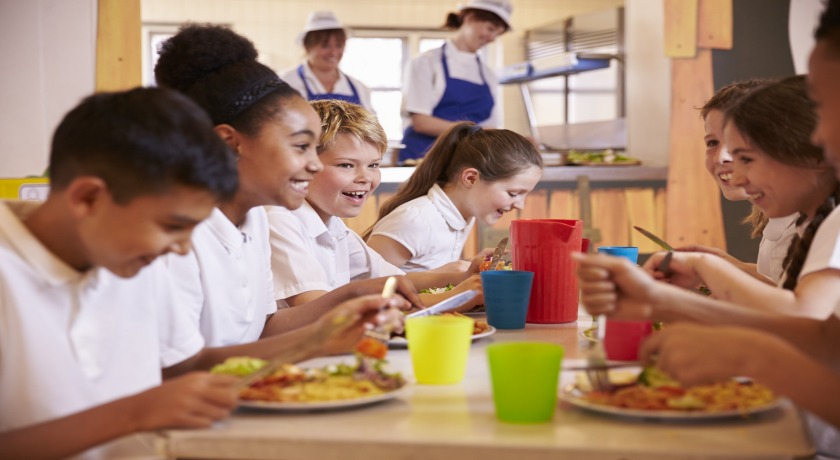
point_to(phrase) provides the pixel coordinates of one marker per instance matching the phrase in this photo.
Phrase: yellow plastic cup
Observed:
(439, 346)
(524, 376)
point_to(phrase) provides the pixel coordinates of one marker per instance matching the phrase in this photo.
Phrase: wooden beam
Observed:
(680, 28)
(693, 203)
(118, 44)
(714, 24)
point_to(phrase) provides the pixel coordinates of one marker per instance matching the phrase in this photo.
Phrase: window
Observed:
(153, 36)
(378, 58)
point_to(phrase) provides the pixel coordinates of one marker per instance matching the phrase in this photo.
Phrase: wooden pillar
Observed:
(118, 45)
(692, 29)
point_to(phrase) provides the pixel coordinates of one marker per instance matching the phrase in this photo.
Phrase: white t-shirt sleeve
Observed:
(824, 252)
(405, 226)
(419, 87)
(295, 269)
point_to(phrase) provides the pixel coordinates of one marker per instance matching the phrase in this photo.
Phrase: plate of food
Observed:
(654, 396)
(480, 330)
(331, 387)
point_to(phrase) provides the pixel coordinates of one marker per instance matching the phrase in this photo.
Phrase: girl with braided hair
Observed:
(768, 135)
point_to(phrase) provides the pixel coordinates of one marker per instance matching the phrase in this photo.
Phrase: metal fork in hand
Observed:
(596, 359)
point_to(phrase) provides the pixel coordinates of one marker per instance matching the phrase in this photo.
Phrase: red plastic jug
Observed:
(544, 246)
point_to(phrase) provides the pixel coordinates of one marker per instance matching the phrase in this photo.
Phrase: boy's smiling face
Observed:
(351, 173)
(124, 238)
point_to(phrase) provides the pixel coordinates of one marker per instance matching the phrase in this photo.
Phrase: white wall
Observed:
(48, 48)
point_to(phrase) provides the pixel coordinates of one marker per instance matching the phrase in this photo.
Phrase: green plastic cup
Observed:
(439, 346)
(524, 377)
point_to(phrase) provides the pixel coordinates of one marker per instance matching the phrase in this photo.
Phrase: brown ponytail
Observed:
(495, 153)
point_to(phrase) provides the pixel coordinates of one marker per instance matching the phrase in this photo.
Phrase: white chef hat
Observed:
(319, 20)
(501, 8)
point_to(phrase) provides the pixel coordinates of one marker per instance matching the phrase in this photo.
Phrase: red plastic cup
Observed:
(623, 339)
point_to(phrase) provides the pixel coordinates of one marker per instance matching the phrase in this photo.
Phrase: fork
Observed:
(596, 359)
(374, 345)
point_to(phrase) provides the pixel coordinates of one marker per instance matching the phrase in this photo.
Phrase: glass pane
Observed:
(585, 107)
(427, 44)
(377, 62)
(387, 107)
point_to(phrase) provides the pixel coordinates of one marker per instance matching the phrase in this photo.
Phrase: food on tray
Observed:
(500, 265)
(656, 391)
(599, 157)
(372, 348)
(291, 383)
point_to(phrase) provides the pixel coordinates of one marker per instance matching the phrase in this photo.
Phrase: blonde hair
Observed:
(340, 117)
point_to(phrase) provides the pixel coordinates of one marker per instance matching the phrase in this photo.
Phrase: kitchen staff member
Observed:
(323, 38)
(451, 84)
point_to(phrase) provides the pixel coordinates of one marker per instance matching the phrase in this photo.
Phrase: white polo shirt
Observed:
(226, 279)
(70, 341)
(341, 86)
(430, 227)
(775, 240)
(308, 255)
(425, 82)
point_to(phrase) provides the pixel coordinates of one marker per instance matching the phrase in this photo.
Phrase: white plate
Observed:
(575, 396)
(324, 405)
(401, 342)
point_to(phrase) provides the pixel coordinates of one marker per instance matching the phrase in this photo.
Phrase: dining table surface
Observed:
(459, 422)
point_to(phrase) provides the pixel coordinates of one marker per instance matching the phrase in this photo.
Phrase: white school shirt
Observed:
(775, 241)
(226, 279)
(430, 227)
(308, 255)
(425, 82)
(341, 86)
(70, 341)
(824, 252)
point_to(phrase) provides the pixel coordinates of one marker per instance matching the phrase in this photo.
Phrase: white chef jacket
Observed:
(341, 86)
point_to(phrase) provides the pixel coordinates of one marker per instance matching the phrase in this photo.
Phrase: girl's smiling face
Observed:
(351, 174)
(277, 165)
(777, 188)
(718, 159)
(489, 201)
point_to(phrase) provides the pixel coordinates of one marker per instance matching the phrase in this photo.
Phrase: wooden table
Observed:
(458, 422)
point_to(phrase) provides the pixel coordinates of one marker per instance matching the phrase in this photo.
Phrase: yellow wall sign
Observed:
(32, 189)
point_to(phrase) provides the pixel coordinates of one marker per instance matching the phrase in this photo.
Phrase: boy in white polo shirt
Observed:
(87, 318)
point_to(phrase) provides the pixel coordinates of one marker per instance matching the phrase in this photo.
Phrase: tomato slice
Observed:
(371, 347)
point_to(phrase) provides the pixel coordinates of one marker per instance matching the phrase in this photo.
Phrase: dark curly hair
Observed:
(828, 29)
(218, 69)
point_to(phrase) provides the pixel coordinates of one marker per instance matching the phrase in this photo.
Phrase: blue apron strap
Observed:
(309, 93)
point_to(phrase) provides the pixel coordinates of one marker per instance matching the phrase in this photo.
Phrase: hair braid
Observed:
(799, 247)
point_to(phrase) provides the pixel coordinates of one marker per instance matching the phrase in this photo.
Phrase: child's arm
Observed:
(336, 331)
(392, 251)
(473, 282)
(751, 269)
(192, 401)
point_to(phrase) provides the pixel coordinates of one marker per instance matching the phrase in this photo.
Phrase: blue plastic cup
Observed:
(628, 252)
(506, 297)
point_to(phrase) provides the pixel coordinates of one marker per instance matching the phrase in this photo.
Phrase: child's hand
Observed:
(194, 400)
(614, 286)
(405, 288)
(681, 271)
(341, 329)
(478, 261)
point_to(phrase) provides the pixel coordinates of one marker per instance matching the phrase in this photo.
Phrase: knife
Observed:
(497, 254)
(654, 238)
(446, 305)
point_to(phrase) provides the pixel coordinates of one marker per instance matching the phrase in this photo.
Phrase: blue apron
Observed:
(310, 96)
(461, 101)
